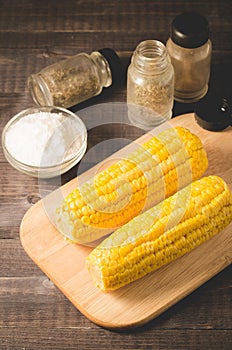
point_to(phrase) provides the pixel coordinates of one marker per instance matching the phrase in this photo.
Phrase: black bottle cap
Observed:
(115, 65)
(190, 30)
(214, 112)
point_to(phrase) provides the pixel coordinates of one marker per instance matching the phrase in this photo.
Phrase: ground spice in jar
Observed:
(190, 50)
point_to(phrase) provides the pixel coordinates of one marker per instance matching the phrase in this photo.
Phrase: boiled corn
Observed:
(151, 173)
(162, 234)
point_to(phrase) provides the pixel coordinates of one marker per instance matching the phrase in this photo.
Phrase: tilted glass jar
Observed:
(190, 50)
(76, 79)
(150, 85)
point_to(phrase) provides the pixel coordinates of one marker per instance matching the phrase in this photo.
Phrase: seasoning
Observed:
(150, 85)
(42, 139)
(190, 50)
(76, 79)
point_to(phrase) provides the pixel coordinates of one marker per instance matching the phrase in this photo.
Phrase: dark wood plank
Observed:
(14, 261)
(38, 295)
(84, 337)
(32, 300)
(34, 314)
(123, 41)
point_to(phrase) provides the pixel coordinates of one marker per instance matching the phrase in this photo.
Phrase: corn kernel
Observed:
(137, 251)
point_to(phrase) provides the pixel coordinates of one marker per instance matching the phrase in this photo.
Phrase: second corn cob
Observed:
(162, 234)
(154, 171)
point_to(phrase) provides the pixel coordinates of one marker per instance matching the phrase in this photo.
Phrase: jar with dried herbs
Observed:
(150, 85)
(76, 79)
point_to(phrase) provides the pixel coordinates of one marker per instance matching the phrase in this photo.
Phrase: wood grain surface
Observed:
(141, 301)
(34, 314)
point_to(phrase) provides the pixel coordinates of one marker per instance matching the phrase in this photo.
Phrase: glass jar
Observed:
(76, 79)
(190, 50)
(150, 85)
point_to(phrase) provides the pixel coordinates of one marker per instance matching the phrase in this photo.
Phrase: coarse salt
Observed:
(43, 139)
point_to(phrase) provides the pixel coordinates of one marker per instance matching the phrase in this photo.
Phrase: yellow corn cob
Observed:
(152, 172)
(162, 234)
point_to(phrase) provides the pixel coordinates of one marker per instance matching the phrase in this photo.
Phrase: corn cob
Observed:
(152, 172)
(162, 234)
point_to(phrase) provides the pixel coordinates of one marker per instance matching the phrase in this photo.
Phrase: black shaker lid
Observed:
(214, 112)
(115, 65)
(190, 30)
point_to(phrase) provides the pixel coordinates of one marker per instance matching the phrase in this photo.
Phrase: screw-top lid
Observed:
(115, 65)
(214, 112)
(190, 30)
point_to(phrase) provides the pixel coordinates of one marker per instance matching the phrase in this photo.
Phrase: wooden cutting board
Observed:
(142, 300)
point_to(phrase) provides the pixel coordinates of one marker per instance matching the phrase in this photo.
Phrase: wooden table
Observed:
(34, 314)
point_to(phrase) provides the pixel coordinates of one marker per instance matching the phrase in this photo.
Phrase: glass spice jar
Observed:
(190, 50)
(150, 85)
(76, 79)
